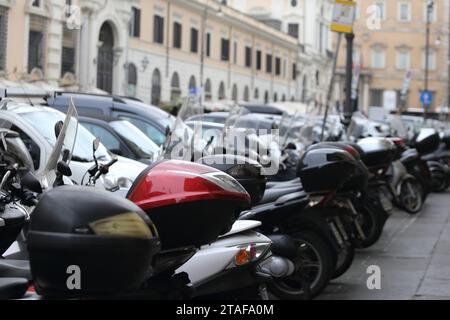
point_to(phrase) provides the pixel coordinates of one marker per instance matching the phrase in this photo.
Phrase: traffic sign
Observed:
(426, 98)
(343, 16)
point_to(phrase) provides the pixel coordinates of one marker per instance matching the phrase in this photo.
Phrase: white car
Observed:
(36, 124)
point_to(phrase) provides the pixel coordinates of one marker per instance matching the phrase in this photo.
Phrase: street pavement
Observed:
(413, 255)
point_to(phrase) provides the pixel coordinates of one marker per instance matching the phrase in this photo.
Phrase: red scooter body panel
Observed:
(191, 204)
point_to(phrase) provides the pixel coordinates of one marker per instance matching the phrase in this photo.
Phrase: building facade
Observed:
(154, 50)
(308, 22)
(390, 42)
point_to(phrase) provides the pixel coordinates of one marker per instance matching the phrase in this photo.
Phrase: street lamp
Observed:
(430, 6)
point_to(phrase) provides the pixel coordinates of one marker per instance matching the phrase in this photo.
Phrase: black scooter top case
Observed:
(361, 178)
(427, 141)
(378, 153)
(325, 170)
(246, 171)
(106, 242)
(446, 139)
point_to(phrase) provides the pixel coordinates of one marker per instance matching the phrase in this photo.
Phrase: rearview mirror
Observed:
(64, 169)
(58, 127)
(291, 146)
(30, 182)
(95, 144)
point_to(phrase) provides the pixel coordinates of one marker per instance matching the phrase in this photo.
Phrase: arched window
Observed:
(246, 94)
(175, 89)
(256, 94)
(222, 95)
(266, 97)
(192, 85)
(234, 93)
(275, 97)
(156, 87)
(208, 90)
(132, 80)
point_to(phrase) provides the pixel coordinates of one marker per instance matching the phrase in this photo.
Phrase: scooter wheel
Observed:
(313, 269)
(372, 224)
(411, 198)
(344, 262)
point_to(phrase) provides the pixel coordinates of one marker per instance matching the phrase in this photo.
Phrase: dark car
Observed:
(262, 108)
(122, 138)
(213, 117)
(258, 121)
(149, 119)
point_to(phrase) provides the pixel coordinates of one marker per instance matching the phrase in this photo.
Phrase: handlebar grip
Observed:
(112, 162)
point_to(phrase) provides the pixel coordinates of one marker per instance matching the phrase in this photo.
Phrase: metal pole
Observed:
(202, 53)
(330, 88)
(348, 108)
(427, 52)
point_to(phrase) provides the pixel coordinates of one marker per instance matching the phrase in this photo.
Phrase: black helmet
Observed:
(86, 242)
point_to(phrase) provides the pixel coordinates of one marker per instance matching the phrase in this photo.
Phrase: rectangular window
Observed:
(68, 51)
(376, 98)
(381, 10)
(158, 29)
(35, 50)
(258, 60)
(194, 40)
(135, 23)
(294, 30)
(402, 60)
(269, 63)
(225, 50)
(429, 11)
(235, 45)
(177, 35)
(208, 44)
(431, 60)
(36, 3)
(277, 66)
(378, 59)
(294, 71)
(404, 12)
(248, 57)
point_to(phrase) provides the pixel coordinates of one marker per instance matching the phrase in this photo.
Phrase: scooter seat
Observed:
(15, 269)
(273, 194)
(13, 288)
(282, 184)
(430, 157)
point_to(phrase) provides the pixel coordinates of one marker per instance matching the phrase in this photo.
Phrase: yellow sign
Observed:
(343, 16)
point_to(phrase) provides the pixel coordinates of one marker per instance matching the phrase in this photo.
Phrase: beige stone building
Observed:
(155, 50)
(308, 22)
(242, 59)
(390, 40)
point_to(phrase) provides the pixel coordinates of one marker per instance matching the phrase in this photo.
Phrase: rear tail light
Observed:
(352, 151)
(249, 253)
(321, 200)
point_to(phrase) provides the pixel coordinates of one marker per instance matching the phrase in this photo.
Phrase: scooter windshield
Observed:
(66, 135)
(179, 143)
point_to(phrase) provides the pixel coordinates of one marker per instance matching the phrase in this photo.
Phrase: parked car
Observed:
(122, 138)
(213, 117)
(36, 124)
(262, 108)
(151, 120)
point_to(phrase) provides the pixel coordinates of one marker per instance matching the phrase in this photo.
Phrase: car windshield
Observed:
(135, 139)
(44, 122)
